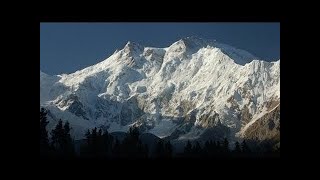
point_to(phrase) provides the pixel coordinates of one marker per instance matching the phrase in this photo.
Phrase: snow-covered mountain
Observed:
(184, 91)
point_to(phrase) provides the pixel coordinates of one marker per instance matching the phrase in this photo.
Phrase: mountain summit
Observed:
(195, 88)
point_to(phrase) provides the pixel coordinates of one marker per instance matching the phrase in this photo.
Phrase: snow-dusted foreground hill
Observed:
(193, 88)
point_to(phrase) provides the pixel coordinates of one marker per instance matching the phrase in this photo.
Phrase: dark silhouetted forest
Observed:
(101, 144)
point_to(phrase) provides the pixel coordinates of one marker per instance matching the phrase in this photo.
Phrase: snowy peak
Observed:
(184, 48)
(193, 44)
(132, 47)
(239, 56)
(194, 83)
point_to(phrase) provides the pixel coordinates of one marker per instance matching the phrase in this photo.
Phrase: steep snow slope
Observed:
(191, 86)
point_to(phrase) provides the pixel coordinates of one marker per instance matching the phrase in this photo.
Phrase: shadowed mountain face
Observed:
(266, 128)
(193, 89)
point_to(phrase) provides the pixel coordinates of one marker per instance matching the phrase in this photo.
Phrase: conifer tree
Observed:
(132, 146)
(116, 150)
(206, 148)
(197, 150)
(44, 140)
(62, 142)
(225, 145)
(188, 149)
(160, 151)
(57, 137)
(107, 143)
(68, 144)
(245, 147)
(168, 149)
(85, 150)
(218, 147)
(237, 148)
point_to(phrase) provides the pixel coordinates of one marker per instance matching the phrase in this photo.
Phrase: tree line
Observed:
(216, 149)
(100, 144)
(61, 144)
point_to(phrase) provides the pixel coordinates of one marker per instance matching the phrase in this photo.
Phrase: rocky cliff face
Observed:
(265, 128)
